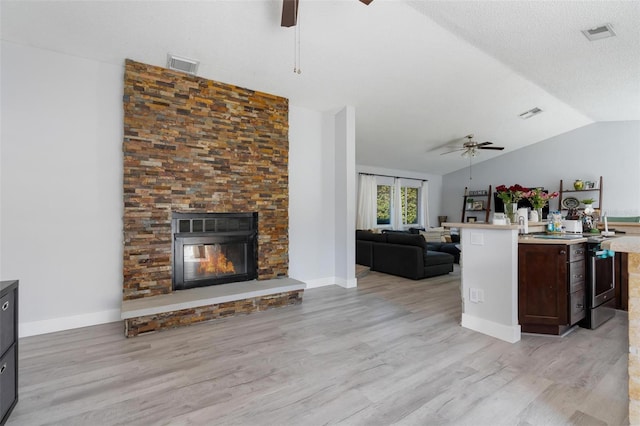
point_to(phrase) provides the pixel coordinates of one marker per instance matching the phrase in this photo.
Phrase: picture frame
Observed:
(471, 219)
(478, 205)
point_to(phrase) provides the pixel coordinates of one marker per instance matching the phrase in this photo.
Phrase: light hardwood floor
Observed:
(389, 352)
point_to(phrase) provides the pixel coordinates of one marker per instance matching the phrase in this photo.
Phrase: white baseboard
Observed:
(323, 282)
(34, 328)
(507, 333)
(350, 283)
(320, 282)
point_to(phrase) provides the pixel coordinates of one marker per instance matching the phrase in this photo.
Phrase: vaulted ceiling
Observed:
(420, 74)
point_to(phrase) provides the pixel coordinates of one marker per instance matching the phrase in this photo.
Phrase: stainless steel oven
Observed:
(600, 284)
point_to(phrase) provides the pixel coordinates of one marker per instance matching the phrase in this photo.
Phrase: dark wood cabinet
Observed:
(551, 292)
(8, 348)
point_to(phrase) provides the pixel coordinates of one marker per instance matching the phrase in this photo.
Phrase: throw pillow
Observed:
(432, 236)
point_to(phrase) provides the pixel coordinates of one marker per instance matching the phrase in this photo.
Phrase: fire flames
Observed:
(215, 262)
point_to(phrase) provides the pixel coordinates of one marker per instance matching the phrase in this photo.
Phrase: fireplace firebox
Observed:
(213, 248)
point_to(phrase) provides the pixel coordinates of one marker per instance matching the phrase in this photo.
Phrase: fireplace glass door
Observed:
(213, 248)
(214, 261)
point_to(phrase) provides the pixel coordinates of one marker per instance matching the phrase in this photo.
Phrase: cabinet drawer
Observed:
(576, 272)
(7, 380)
(576, 306)
(576, 252)
(576, 286)
(7, 324)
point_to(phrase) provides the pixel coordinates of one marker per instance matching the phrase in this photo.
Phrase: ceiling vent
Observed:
(530, 113)
(603, 31)
(177, 63)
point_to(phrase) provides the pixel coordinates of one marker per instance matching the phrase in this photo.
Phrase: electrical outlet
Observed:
(476, 295)
(473, 295)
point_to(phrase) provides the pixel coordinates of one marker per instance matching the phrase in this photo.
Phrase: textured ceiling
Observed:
(420, 74)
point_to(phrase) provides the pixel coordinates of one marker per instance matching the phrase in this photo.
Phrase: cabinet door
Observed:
(542, 279)
(7, 328)
(7, 381)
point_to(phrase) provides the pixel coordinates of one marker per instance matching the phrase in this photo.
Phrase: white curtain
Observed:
(367, 203)
(424, 203)
(396, 210)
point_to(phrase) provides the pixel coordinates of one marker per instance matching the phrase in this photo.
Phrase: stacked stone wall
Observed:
(197, 145)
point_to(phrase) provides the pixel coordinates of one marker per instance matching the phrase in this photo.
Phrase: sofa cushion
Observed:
(407, 239)
(434, 246)
(432, 258)
(370, 236)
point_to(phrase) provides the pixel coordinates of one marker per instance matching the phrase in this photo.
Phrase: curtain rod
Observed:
(395, 177)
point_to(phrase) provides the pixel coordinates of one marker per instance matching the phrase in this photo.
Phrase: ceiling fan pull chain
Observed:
(299, 71)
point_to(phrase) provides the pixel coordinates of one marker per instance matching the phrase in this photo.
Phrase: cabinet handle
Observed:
(579, 306)
(579, 251)
(563, 252)
(4, 367)
(5, 305)
(578, 276)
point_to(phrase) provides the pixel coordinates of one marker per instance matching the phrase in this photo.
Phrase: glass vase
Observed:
(511, 210)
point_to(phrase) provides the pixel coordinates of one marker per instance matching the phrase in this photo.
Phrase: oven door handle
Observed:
(603, 254)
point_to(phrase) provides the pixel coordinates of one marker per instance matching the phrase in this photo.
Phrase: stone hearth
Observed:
(207, 303)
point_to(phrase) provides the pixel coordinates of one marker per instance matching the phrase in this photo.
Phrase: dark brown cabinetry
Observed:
(551, 287)
(8, 348)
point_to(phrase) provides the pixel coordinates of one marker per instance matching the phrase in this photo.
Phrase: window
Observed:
(384, 205)
(410, 207)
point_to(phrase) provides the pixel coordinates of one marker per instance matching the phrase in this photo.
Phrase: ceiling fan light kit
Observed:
(470, 147)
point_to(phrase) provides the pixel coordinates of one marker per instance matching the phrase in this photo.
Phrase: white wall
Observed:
(311, 221)
(435, 186)
(608, 149)
(345, 213)
(61, 193)
(61, 187)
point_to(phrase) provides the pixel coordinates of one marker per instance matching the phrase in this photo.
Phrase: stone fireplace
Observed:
(194, 146)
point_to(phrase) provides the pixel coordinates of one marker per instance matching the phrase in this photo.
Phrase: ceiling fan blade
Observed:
(367, 2)
(455, 150)
(497, 148)
(289, 13)
(485, 143)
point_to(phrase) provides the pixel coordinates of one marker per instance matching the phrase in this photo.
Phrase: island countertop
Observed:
(629, 244)
(478, 225)
(530, 239)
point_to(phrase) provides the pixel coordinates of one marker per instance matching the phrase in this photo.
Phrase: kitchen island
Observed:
(490, 277)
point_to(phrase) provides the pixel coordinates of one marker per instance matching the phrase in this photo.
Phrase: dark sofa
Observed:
(403, 254)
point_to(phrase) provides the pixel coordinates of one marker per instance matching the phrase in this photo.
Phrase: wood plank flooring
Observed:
(389, 352)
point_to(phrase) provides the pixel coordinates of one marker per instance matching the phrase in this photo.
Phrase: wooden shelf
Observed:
(597, 204)
(485, 198)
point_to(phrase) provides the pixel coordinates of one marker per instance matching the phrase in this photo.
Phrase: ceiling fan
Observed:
(470, 147)
(290, 12)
